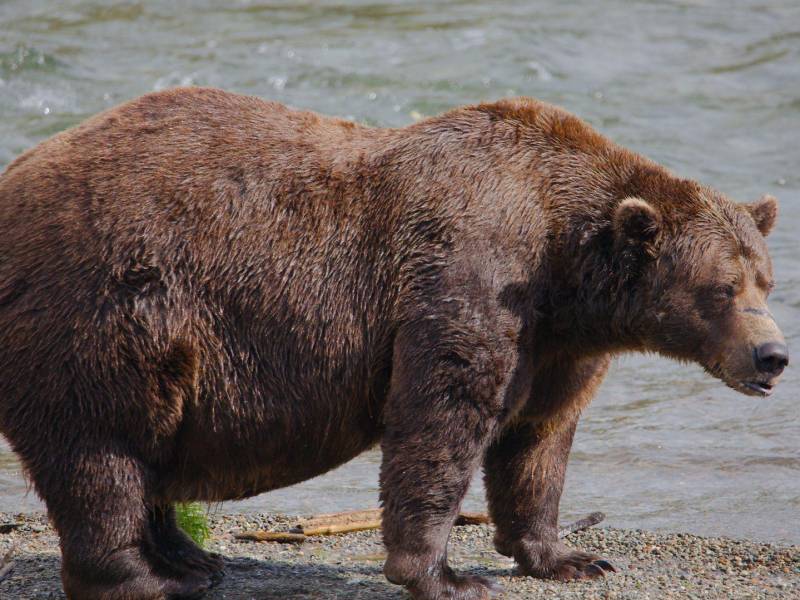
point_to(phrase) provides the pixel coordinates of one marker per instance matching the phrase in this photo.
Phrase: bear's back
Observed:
(187, 174)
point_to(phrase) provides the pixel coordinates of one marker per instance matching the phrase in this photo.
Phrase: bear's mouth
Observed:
(749, 387)
(760, 388)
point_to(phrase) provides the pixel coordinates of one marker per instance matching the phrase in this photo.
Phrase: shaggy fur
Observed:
(205, 296)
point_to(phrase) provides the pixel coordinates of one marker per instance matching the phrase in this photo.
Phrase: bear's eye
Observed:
(725, 291)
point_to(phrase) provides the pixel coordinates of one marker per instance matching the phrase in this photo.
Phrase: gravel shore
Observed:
(651, 565)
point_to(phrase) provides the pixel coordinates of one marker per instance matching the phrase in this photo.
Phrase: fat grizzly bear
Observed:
(205, 296)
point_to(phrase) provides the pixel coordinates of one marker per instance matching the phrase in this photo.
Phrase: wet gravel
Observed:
(651, 565)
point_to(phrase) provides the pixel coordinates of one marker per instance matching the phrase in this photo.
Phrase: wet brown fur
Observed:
(205, 296)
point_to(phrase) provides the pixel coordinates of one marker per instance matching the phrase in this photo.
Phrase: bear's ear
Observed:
(764, 213)
(636, 223)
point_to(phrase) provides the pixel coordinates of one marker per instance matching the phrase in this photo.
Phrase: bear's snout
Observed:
(771, 358)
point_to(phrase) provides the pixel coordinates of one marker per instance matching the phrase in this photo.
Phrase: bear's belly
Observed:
(248, 459)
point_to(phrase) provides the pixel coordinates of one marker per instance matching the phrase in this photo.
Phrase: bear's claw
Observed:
(548, 560)
(572, 569)
(605, 565)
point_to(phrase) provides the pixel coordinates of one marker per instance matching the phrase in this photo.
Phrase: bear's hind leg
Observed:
(176, 552)
(96, 501)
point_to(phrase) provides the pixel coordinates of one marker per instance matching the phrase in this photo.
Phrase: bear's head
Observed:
(703, 275)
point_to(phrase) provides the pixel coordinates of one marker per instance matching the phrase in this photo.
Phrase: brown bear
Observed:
(205, 296)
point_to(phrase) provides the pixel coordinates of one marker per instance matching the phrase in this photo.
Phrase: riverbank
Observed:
(651, 565)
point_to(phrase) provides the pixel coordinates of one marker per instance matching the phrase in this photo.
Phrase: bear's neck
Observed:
(593, 303)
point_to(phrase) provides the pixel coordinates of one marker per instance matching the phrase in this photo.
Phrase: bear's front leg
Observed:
(440, 416)
(524, 475)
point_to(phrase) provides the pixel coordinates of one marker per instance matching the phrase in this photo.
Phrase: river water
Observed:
(709, 88)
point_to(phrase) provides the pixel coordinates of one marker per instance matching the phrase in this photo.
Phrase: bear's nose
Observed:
(772, 357)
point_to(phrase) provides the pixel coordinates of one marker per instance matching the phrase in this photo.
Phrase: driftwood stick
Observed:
(363, 520)
(353, 516)
(581, 524)
(339, 528)
(282, 537)
(360, 520)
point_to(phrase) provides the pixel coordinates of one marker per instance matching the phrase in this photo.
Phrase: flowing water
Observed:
(709, 88)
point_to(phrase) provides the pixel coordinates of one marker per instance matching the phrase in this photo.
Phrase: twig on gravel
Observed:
(6, 564)
(581, 524)
(282, 537)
